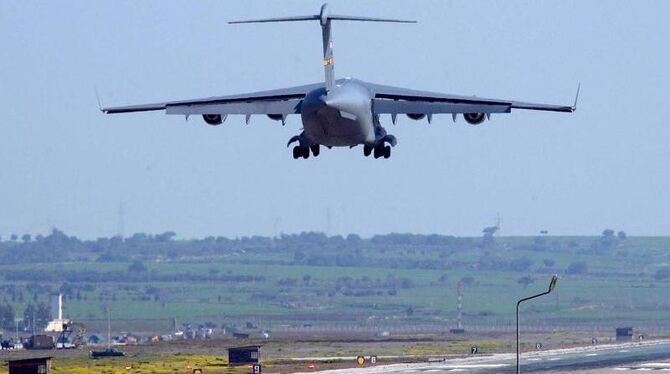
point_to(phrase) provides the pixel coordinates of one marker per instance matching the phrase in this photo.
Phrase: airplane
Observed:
(344, 112)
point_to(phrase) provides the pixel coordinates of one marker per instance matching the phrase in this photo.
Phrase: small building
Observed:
(30, 366)
(250, 354)
(624, 334)
(40, 342)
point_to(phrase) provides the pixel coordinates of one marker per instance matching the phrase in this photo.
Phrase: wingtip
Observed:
(97, 97)
(574, 105)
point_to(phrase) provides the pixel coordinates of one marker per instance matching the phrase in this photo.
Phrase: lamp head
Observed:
(552, 284)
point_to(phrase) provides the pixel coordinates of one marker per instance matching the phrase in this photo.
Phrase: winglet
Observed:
(574, 106)
(97, 97)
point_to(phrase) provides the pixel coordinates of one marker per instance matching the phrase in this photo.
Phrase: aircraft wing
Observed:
(281, 101)
(395, 100)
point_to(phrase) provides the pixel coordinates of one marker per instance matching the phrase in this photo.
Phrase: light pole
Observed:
(552, 284)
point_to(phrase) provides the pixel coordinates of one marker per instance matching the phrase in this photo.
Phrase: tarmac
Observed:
(610, 358)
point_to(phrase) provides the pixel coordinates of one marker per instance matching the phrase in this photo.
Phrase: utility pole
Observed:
(121, 227)
(459, 293)
(16, 321)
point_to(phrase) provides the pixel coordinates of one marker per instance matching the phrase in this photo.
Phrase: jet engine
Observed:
(276, 117)
(416, 116)
(213, 119)
(474, 118)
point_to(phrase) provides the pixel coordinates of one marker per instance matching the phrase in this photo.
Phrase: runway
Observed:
(642, 356)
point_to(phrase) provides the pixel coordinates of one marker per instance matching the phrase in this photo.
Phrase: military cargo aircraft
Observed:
(344, 112)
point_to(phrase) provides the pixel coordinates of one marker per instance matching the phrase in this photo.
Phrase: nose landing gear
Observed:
(378, 151)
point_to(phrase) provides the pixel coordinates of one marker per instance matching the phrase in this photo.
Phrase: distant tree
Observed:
(14, 237)
(137, 267)
(166, 236)
(488, 233)
(26, 238)
(298, 256)
(520, 264)
(621, 235)
(662, 273)
(608, 239)
(7, 316)
(525, 281)
(578, 267)
(539, 243)
(36, 316)
(548, 262)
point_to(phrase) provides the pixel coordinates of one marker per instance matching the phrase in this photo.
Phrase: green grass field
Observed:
(620, 284)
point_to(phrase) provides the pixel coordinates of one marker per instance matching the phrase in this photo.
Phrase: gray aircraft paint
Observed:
(342, 113)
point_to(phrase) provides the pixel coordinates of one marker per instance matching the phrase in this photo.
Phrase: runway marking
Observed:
(657, 365)
(534, 359)
(553, 358)
(591, 354)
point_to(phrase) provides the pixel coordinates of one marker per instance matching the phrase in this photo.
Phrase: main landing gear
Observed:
(378, 151)
(303, 152)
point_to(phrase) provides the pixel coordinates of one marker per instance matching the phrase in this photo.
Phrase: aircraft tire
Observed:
(387, 151)
(316, 149)
(296, 152)
(377, 152)
(367, 150)
(305, 153)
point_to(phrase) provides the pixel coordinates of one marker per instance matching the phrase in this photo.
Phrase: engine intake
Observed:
(276, 117)
(213, 119)
(416, 116)
(474, 118)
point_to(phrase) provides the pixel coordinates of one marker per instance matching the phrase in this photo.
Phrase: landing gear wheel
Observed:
(367, 150)
(296, 152)
(387, 151)
(315, 150)
(377, 152)
(305, 152)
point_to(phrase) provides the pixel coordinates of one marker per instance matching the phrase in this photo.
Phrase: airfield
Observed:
(183, 358)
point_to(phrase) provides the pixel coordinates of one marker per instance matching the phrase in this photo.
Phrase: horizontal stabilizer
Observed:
(367, 19)
(280, 19)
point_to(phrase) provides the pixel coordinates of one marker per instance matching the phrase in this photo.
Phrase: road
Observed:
(642, 356)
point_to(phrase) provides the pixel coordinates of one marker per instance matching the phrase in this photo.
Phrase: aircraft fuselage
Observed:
(341, 117)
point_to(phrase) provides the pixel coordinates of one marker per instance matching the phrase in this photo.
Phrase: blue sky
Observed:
(63, 164)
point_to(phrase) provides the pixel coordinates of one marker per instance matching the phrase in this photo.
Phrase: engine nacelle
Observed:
(214, 119)
(416, 116)
(276, 117)
(474, 118)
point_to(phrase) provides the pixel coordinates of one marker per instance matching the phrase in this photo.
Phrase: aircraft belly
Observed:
(329, 128)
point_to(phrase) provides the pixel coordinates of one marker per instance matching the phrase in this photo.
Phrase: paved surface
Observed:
(645, 356)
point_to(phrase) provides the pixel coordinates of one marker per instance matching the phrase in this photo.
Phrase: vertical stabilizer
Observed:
(328, 62)
(325, 18)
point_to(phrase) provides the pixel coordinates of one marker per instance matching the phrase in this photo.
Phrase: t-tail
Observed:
(325, 18)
